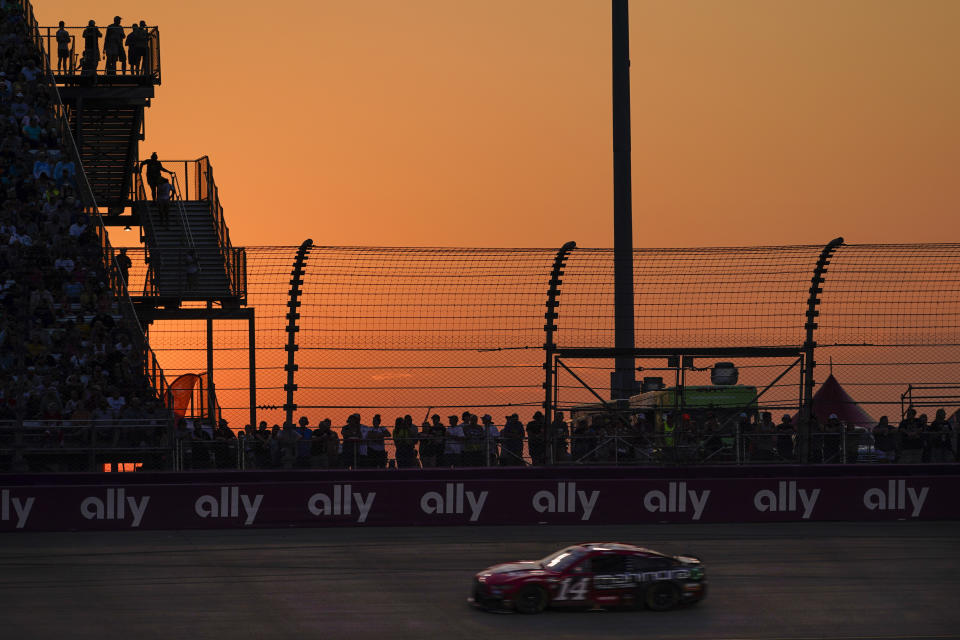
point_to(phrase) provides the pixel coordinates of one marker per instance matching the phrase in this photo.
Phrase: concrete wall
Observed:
(83, 502)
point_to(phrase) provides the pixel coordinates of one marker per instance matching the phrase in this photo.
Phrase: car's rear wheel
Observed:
(530, 599)
(662, 596)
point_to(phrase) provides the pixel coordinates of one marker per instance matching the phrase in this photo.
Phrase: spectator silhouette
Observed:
(404, 440)
(140, 45)
(91, 46)
(191, 268)
(785, 436)
(432, 442)
(63, 49)
(164, 195)
(910, 439)
(154, 169)
(124, 263)
(511, 438)
(376, 435)
(113, 47)
(133, 53)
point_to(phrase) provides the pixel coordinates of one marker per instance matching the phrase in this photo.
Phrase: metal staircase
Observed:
(107, 133)
(190, 258)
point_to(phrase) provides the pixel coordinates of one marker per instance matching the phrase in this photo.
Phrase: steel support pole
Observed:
(211, 392)
(623, 378)
(252, 364)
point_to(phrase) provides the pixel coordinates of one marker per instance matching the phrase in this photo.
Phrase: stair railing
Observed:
(118, 284)
(181, 210)
(206, 189)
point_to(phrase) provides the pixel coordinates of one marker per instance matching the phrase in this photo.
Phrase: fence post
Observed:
(549, 346)
(810, 344)
(293, 314)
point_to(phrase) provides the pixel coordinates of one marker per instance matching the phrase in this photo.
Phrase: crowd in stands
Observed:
(65, 353)
(469, 440)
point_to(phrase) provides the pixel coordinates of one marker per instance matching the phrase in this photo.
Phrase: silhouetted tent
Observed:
(831, 397)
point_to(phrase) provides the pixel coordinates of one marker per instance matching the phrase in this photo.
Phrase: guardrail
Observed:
(233, 259)
(620, 450)
(78, 65)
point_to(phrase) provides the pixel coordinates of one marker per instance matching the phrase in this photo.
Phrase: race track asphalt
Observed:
(809, 580)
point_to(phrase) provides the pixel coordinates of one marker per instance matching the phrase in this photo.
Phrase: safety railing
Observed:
(111, 267)
(198, 185)
(86, 445)
(184, 220)
(280, 451)
(233, 260)
(79, 57)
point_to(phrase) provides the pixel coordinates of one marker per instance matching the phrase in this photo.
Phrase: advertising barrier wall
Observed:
(370, 499)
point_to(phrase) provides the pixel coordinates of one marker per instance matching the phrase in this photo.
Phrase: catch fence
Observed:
(395, 331)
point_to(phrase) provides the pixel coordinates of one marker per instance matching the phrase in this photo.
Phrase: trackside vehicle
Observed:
(594, 575)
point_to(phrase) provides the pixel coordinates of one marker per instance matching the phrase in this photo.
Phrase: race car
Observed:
(594, 575)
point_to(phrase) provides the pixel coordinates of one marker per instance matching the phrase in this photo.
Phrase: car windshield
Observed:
(560, 560)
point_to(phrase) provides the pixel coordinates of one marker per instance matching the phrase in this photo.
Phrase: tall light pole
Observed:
(622, 380)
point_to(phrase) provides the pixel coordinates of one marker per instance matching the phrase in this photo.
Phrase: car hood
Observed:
(513, 567)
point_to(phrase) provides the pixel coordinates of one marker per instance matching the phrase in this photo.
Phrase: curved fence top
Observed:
(455, 298)
(387, 327)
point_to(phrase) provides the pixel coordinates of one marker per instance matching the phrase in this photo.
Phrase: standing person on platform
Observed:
(404, 442)
(491, 440)
(325, 446)
(473, 442)
(123, 264)
(288, 446)
(63, 48)
(303, 444)
(511, 437)
(140, 45)
(453, 444)
(133, 56)
(376, 447)
(785, 436)
(432, 441)
(535, 439)
(164, 196)
(910, 439)
(154, 169)
(91, 45)
(351, 442)
(113, 47)
(558, 433)
(940, 438)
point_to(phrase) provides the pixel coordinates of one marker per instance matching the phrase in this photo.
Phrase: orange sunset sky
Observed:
(487, 122)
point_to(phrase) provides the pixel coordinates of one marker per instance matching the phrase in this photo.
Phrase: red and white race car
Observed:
(590, 576)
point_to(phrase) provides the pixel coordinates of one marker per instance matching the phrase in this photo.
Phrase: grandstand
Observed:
(273, 333)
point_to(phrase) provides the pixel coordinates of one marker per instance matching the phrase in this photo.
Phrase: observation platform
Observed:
(76, 69)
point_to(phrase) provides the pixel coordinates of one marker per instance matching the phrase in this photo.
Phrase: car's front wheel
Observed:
(530, 599)
(662, 596)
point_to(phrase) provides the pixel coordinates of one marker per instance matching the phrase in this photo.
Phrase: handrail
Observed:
(116, 281)
(191, 245)
(200, 186)
(219, 222)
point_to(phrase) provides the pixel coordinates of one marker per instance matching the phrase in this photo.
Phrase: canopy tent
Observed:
(832, 398)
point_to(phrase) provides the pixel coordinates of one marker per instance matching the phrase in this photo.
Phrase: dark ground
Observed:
(809, 580)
